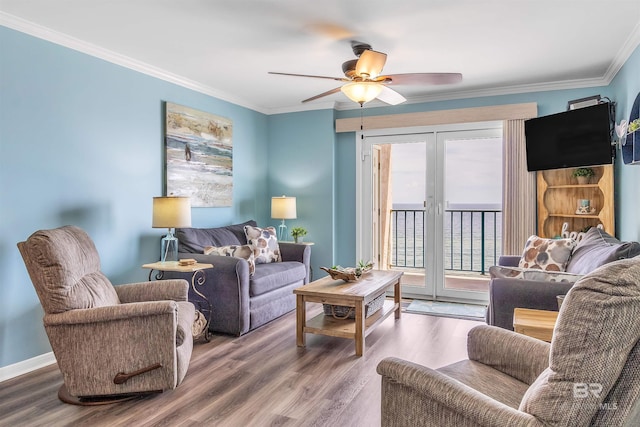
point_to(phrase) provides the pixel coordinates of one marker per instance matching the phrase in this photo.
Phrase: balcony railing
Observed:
(472, 239)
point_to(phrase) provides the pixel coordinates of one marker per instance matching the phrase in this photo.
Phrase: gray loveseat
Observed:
(242, 302)
(596, 249)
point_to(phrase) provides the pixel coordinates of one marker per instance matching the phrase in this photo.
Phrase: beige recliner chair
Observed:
(588, 375)
(109, 342)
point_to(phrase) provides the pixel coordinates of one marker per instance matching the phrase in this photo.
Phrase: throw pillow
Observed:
(598, 248)
(546, 254)
(264, 243)
(236, 251)
(500, 272)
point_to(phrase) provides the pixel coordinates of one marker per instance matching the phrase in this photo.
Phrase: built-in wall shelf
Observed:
(558, 198)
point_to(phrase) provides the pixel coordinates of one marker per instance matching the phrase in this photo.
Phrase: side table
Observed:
(197, 277)
(535, 323)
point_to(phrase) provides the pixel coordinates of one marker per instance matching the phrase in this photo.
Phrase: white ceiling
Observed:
(226, 48)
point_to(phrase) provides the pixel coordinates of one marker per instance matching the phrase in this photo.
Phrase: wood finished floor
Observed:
(259, 379)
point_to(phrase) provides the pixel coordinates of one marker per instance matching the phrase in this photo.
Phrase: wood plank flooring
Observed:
(259, 379)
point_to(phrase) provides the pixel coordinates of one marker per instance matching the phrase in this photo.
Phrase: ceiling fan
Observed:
(363, 80)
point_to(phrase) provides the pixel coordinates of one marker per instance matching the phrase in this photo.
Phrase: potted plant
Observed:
(298, 234)
(583, 175)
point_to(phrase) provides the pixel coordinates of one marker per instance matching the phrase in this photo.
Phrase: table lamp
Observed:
(283, 208)
(171, 212)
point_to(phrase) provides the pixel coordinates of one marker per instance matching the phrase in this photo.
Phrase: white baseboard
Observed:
(26, 366)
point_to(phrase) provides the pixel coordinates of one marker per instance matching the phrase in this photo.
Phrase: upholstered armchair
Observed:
(108, 341)
(588, 375)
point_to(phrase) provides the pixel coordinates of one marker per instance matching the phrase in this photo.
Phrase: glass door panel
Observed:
(399, 173)
(469, 211)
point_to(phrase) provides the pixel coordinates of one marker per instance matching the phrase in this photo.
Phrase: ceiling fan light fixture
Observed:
(361, 92)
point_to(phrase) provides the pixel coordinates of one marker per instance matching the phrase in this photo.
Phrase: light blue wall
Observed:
(301, 152)
(82, 143)
(625, 88)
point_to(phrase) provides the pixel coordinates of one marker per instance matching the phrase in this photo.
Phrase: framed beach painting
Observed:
(199, 156)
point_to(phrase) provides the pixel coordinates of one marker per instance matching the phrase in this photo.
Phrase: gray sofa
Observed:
(596, 249)
(242, 302)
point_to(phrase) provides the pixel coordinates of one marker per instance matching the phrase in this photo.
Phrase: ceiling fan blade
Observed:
(390, 96)
(423, 78)
(340, 79)
(327, 93)
(370, 64)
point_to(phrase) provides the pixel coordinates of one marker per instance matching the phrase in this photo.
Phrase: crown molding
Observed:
(35, 30)
(328, 105)
(629, 46)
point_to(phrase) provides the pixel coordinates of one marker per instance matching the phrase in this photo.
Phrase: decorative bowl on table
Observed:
(348, 274)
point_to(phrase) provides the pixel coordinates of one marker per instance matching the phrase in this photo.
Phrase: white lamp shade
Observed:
(283, 207)
(361, 92)
(171, 212)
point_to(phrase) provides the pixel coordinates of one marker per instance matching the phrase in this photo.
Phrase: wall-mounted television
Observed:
(574, 138)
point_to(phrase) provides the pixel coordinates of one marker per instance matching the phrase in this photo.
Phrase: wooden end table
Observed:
(535, 323)
(351, 294)
(197, 277)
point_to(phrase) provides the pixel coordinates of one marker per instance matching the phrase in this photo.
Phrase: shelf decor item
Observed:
(584, 207)
(583, 175)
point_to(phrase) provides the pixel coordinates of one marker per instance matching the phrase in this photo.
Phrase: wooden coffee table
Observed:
(535, 323)
(351, 294)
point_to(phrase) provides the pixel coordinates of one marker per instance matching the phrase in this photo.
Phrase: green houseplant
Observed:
(583, 175)
(298, 234)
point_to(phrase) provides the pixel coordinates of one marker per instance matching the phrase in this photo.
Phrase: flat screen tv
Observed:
(572, 138)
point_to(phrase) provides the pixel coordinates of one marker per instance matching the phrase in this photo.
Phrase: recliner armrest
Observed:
(514, 354)
(419, 396)
(176, 290)
(111, 313)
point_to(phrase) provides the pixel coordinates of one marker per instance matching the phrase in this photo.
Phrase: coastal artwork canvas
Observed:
(199, 156)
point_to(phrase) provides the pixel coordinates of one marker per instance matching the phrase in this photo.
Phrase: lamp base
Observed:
(282, 231)
(169, 248)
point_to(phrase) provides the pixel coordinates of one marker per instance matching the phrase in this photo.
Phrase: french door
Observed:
(429, 200)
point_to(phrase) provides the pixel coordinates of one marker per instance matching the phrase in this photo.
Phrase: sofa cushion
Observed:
(598, 248)
(598, 326)
(194, 240)
(275, 275)
(264, 243)
(237, 251)
(501, 272)
(546, 254)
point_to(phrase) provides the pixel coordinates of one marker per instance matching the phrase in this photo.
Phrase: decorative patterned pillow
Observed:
(264, 243)
(546, 254)
(538, 275)
(236, 251)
